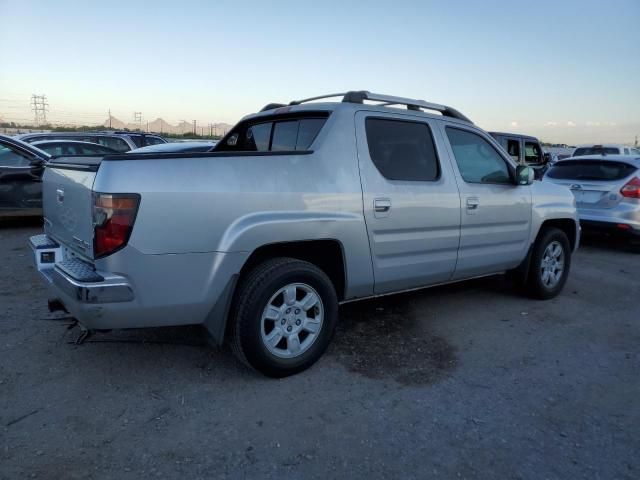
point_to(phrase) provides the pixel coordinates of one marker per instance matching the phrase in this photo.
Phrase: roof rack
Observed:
(410, 103)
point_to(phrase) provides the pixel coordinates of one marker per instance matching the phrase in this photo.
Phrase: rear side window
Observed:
(274, 135)
(402, 150)
(582, 151)
(116, 143)
(137, 140)
(151, 140)
(532, 152)
(605, 170)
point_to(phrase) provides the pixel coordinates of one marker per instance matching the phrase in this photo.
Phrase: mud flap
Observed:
(216, 321)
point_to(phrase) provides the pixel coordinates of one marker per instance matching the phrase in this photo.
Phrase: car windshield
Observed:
(605, 170)
(596, 151)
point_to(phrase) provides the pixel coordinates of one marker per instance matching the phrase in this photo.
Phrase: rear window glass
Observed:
(595, 151)
(151, 140)
(402, 150)
(277, 135)
(590, 170)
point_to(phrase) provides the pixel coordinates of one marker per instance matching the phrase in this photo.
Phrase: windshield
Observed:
(590, 170)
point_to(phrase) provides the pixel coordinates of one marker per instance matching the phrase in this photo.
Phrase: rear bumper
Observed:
(615, 228)
(76, 279)
(147, 290)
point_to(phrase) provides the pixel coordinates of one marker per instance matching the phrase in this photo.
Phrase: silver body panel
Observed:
(200, 218)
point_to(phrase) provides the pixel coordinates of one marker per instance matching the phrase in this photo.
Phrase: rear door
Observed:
(496, 213)
(595, 184)
(411, 202)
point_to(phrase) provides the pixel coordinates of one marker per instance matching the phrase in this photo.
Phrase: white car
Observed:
(605, 149)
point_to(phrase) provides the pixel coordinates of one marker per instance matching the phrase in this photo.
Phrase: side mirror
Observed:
(524, 175)
(37, 166)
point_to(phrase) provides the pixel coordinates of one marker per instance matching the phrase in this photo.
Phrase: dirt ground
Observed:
(463, 381)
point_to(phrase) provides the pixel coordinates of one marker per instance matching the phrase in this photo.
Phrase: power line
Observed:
(40, 107)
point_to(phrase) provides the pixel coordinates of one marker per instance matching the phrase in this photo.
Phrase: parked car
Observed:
(119, 141)
(607, 191)
(21, 167)
(523, 149)
(605, 149)
(72, 147)
(176, 147)
(297, 208)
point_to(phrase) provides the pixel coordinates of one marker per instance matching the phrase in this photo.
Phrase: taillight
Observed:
(113, 217)
(631, 189)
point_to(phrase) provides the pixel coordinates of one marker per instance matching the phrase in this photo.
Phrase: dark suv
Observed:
(524, 149)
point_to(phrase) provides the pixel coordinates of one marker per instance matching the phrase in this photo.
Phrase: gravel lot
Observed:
(464, 381)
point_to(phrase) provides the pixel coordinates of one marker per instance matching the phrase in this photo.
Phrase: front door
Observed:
(496, 213)
(411, 201)
(20, 183)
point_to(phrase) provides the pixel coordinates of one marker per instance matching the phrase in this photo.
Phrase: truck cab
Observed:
(524, 150)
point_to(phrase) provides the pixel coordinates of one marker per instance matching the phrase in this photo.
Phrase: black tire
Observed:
(535, 287)
(253, 294)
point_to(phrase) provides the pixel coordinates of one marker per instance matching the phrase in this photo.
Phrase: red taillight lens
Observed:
(113, 217)
(631, 189)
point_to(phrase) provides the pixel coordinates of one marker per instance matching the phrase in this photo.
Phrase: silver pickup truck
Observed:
(299, 207)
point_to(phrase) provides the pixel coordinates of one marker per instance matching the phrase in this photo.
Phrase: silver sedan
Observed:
(606, 189)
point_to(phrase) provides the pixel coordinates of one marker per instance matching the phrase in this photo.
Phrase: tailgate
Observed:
(67, 202)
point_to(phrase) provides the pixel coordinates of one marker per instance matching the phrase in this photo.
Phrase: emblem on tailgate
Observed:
(60, 195)
(576, 186)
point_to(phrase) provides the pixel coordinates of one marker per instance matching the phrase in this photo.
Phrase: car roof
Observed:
(66, 142)
(604, 145)
(633, 160)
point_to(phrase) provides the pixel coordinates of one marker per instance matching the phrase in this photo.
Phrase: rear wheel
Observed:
(285, 314)
(550, 264)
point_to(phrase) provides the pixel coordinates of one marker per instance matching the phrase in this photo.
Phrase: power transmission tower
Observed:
(109, 118)
(194, 128)
(40, 108)
(210, 129)
(137, 117)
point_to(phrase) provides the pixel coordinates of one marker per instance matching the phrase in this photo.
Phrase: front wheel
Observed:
(286, 311)
(550, 264)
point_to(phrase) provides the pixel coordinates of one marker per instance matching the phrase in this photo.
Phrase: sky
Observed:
(566, 71)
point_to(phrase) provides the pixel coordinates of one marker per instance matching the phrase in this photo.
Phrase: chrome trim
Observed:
(112, 291)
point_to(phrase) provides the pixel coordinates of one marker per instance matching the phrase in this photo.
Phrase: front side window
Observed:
(478, 161)
(532, 152)
(10, 157)
(402, 150)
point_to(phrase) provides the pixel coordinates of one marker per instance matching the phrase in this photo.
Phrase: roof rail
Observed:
(411, 104)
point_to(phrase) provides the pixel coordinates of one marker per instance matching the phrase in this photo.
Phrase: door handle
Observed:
(382, 205)
(472, 203)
